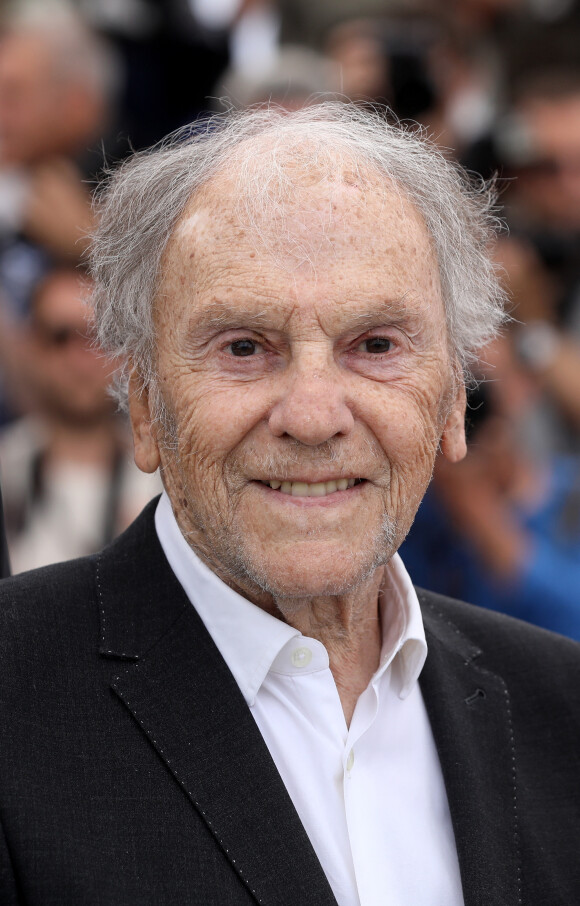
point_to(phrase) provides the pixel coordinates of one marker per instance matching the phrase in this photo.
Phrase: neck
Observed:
(349, 627)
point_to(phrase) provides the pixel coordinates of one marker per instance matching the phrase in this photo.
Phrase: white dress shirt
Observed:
(370, 796)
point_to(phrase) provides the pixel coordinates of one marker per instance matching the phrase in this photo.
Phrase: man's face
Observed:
(70, 375)
(551, 188)
(293, 366)
(28, 100)
(42, 113)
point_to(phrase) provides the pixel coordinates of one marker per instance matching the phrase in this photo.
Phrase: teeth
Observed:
(318, 489)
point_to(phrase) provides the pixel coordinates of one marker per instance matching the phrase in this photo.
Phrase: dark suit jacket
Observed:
(4, 560)
(132, 772)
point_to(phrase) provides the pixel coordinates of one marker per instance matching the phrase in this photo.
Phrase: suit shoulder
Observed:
(49, 605)
(504, 640)
(47, 581)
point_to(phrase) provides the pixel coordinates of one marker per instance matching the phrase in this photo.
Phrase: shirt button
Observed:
(301, 657)
(350, 760)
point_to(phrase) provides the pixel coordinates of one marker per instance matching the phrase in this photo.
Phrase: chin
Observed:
(302, 577)
(303, 568)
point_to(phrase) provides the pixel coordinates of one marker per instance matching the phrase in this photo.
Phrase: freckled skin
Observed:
(311, 402)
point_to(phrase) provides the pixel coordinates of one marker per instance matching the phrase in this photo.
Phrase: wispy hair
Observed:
(272, 152)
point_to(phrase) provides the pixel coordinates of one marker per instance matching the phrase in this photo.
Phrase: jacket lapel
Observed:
(469, 711)
(184, 698)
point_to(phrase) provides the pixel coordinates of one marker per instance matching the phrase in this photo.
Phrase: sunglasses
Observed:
(60, 336)
(554, 167)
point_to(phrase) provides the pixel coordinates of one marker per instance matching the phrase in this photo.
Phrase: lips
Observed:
(315, 489)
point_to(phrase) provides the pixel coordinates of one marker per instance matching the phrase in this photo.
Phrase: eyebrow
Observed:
(391, 312)
(220, 315)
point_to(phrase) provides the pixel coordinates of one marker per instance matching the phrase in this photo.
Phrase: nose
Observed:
(312, 408)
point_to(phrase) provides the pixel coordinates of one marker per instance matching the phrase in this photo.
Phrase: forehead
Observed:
(61, 295)
(361, 233)
(555, 123)
(25, 56)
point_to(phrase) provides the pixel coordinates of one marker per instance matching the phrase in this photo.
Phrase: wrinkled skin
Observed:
(346, 373)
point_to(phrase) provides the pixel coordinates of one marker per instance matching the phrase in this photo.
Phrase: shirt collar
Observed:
(402, 627)
(249, 639)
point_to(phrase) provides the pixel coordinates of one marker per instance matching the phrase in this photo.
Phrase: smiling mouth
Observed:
(317, 489)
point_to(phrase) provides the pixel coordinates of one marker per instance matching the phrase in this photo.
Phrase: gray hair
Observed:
(143, 199)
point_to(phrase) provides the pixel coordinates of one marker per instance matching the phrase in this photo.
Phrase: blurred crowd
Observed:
(496, 83)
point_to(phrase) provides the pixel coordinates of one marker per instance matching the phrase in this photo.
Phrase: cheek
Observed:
(408, 432)
(211, 419)
(406, 421)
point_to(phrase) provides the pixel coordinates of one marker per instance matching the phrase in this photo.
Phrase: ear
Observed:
(453, 443)
(142, 422)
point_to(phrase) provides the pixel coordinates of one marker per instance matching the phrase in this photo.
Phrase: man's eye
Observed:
(376, 345)
(243, 347)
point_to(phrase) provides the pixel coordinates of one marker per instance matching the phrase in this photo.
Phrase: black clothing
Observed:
(132, 771)
(4, 560)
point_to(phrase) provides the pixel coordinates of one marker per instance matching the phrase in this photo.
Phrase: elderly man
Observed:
(243, 700)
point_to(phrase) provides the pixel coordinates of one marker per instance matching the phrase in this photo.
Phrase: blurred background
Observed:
(497, 85)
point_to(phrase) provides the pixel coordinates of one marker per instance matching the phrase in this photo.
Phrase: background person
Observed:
(502, 530)
(69, 483)
(56, 87)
